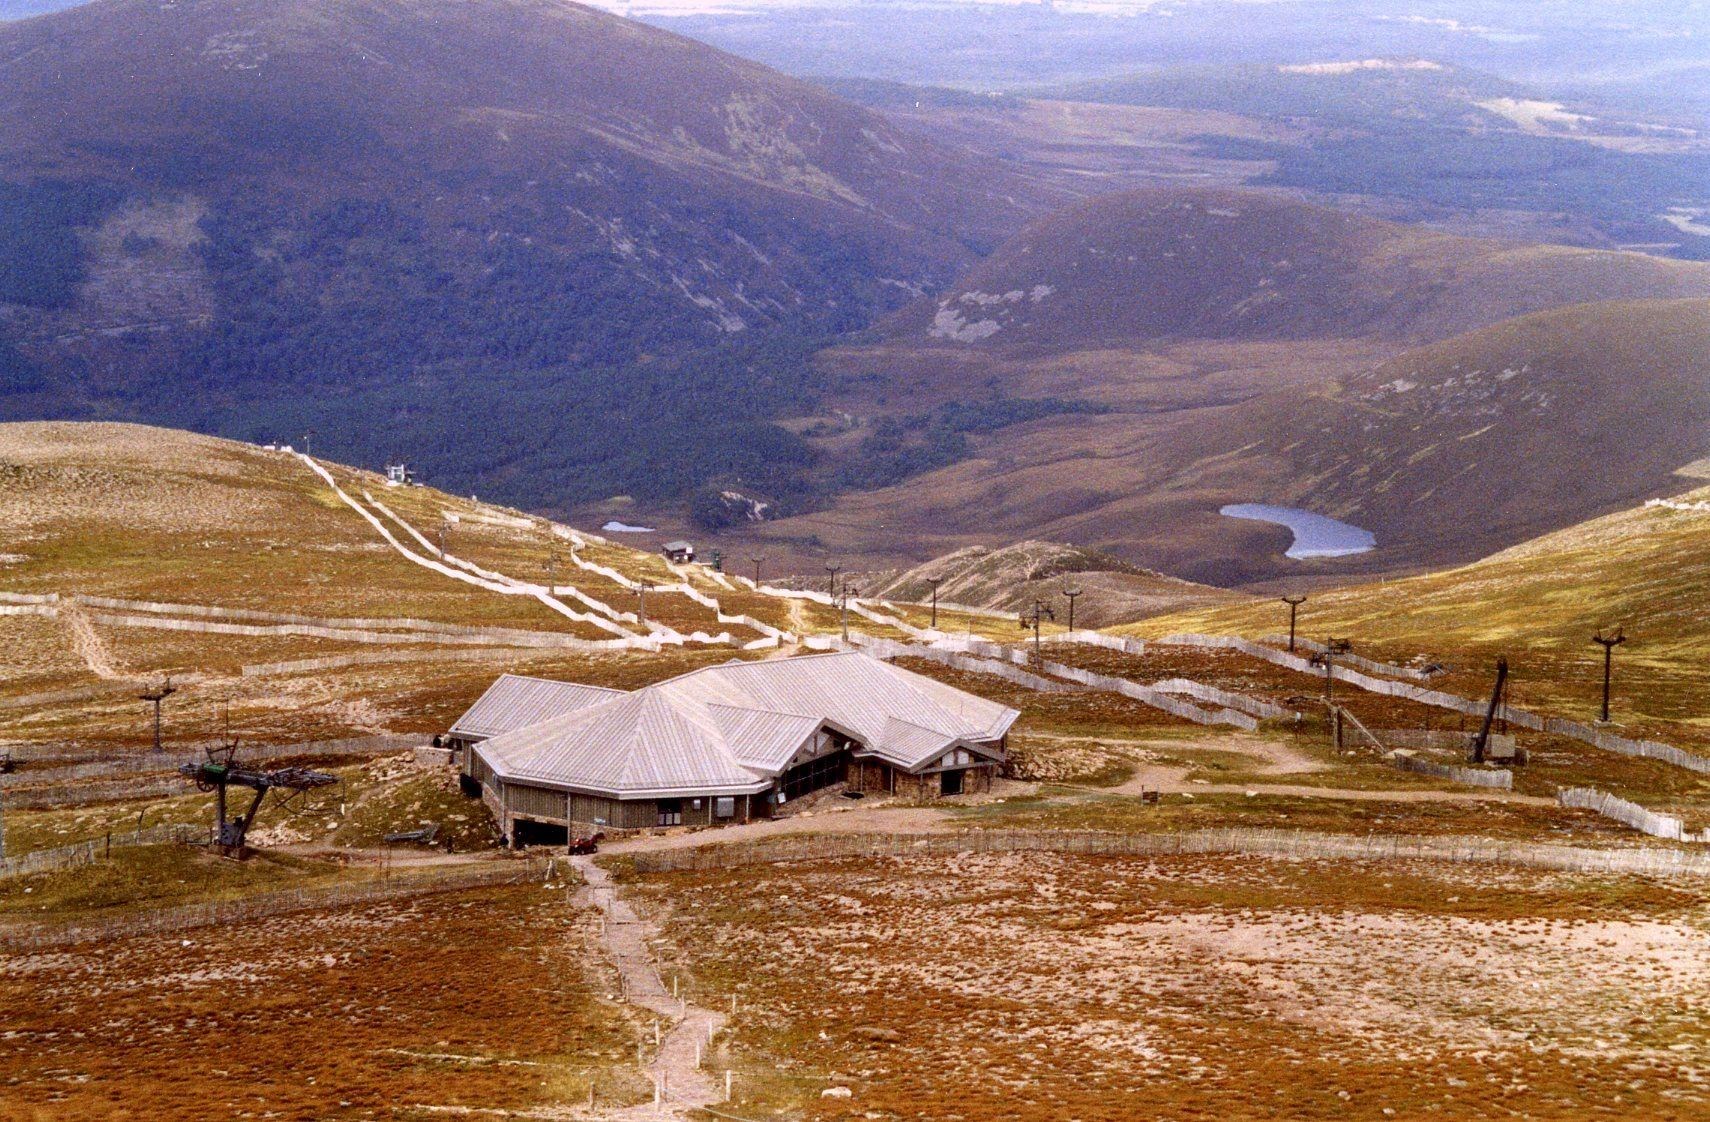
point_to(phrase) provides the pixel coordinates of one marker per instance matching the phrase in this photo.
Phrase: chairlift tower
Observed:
(1608, 643)
(1034, 620)
(1071, 594)
(221, 771)
(1327, 659)
(154, 696)
(1294, 603)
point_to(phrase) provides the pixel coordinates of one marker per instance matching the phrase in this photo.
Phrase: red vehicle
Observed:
(585, 845)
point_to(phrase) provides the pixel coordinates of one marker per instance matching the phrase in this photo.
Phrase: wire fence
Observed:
(889, 649)
(1259, 842)
(153, 774)
(187, 916)
(1497, 778)
(93, 850)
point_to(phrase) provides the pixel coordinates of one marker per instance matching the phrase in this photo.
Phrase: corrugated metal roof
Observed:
(731, 728)
(909, 745)
(516, 701)
(761, 739)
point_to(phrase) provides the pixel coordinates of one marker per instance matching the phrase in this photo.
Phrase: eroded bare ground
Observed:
(490, 998)
(1045, 986)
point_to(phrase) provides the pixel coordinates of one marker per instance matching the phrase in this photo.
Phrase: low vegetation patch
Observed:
(487, 1000)
(1044, 986)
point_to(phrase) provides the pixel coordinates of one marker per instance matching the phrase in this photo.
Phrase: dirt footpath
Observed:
(682, 1083)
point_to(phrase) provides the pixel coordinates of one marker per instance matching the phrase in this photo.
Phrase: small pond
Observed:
(1314, 534)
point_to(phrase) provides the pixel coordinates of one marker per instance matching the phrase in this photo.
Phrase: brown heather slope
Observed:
(1139, 266)
(1473, 444)
(1446, 452)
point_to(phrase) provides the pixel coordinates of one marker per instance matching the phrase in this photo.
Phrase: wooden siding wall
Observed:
(478, 770)
(538, 803)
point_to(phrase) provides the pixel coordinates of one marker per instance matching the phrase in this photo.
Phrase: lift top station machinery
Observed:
(221, 771)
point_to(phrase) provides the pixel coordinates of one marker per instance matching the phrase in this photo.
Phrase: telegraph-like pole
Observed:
(1327, 659)
(832, 587)
(1294, 603)
(1071, 595)
(307, 433)
(756, 561)
(155, 696)
(1033, 620)
(641, 594)
(1608, 643)
(934, 582)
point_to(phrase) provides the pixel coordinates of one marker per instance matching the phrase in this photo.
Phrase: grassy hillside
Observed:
(1141, 266)
(1645, 569)
(237, 535)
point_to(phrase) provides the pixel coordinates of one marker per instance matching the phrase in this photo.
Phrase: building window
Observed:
(724, 808)
(670, 812)
(813, 775)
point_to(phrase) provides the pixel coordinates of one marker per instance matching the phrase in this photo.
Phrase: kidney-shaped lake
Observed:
(1314, 534)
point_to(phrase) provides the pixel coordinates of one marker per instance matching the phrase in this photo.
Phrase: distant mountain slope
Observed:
(1012, 578)
(1481, 440)
(1342, 91)
(1446, 452)
(230, 213)
(1139, 266)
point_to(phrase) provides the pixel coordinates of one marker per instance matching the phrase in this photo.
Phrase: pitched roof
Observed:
(732, 728)
(515, 702)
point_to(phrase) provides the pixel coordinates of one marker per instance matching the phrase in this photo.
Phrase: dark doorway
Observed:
(670, 812)
(539, 833)
(949, 783)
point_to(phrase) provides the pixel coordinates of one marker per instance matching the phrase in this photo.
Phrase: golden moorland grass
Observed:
(1646, 570)
(1043, 986)
(488, 998)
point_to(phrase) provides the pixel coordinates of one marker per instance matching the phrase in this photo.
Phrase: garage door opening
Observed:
(949, 783)
(540, 833)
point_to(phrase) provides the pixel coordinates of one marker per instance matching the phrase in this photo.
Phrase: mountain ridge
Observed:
(257, 218)
(1137, 267)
